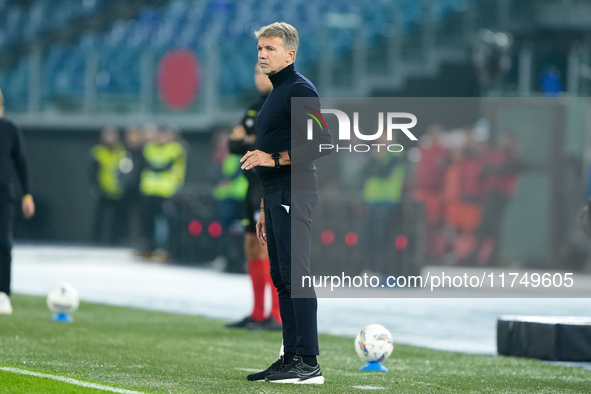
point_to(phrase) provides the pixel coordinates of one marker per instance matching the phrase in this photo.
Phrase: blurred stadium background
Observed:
(68, 68)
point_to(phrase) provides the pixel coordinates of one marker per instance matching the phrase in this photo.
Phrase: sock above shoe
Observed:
(288, 357)
(258, 270)
(310, 360)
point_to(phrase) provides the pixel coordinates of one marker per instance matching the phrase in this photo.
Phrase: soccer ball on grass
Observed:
(374, 344)
(63, 300)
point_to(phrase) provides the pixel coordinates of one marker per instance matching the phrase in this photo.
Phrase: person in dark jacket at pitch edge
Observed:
(284, 161)
(12, 153)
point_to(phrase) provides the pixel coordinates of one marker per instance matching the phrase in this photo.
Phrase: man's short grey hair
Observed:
(283, 30)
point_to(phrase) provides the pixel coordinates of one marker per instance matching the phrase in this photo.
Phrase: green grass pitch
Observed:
(171, 353)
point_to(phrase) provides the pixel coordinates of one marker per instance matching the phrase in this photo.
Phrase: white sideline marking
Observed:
(70, 380)
(248, 369)
(369, 387)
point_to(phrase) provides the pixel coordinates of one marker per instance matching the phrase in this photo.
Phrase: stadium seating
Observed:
(23, 24)
(225, 25)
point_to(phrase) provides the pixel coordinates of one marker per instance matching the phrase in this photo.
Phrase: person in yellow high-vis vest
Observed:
(163, 174)
(229, 194)
(106, 180)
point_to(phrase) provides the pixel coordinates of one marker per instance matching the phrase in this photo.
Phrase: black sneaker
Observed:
(297, 372)
(248, 322)
(274, 368)
(271, 324)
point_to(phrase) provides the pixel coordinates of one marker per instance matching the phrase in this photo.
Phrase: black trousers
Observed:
(381, 223)
(491, 221)
(252, 204)
(289, 258)
(6, 228)
(131, 225)
(152, 209)
(108, 218)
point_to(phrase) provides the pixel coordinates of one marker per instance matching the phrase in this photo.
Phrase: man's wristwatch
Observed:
(276, 156)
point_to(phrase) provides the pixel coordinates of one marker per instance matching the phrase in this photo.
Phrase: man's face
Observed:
(273, 56)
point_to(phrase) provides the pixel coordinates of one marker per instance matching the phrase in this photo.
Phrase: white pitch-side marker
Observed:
(248, 369)
(70, 380)
(369, 387)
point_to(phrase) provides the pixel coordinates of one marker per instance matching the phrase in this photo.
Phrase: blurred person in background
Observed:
(428, 188)
(131, 168)
(107, 188)
(150, 131)
(451, 200)
(241, 141)
(382, 195)
(163, 174)
(229, 194)
(501, 168)
(12, 155)
(470, 193)
(550, 82)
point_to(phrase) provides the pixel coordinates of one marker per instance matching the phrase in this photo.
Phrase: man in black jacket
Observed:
(284, 158)
(11, 154)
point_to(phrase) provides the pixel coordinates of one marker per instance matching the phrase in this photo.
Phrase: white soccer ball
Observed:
(63, 299)
(374, 343)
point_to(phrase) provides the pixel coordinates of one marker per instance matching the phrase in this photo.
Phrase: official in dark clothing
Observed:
(501, 170)
(242, 140)
(287, 210)
(131, 169)
(11, 156)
